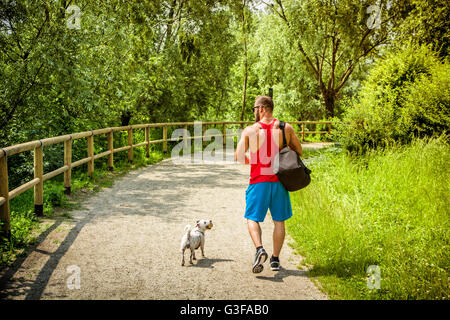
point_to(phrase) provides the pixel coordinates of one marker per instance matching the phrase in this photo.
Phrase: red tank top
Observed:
(261, 161)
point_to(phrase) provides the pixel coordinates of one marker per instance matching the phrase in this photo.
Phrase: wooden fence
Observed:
(38, 146)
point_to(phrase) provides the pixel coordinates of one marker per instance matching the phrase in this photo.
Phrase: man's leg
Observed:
(255, 210)
(261, 255)
(255, 232)
(281, 210)
(278, 237)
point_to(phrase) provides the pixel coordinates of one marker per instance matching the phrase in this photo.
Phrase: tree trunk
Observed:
(125, 118)
(329, 98)
(170, 23)
(244, 97)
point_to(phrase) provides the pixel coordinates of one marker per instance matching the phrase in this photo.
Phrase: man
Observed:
(265, 191)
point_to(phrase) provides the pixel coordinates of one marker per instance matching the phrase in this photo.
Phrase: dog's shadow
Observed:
(207, 263)
(283, 273)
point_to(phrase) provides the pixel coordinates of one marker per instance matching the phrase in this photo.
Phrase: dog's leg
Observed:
(202, 247)
(190, 258)
(182, 254)
(193, 255)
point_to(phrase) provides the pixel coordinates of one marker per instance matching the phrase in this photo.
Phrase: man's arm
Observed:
(294, 141)
(242, 147)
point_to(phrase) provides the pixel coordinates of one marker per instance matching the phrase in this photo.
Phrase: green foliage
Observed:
(137, 59)
(22, 219)
(426, 22)
(176, 60)
(316, 51)
(54, 197)
(21, 224)
(131, 62)
(384, 209)
(407, 94)
(280, 67)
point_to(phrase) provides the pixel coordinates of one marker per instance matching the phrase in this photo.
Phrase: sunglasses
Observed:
(256, 107)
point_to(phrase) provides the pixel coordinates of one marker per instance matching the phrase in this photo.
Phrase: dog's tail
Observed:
(187, 230)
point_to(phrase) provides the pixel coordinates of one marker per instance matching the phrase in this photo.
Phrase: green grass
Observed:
(387, 208)
(312, 153)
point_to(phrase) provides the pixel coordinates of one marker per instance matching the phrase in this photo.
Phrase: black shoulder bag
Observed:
(289, 168)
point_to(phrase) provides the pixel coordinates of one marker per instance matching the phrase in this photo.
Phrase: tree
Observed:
(27, 34)
(425, 22)
(244, 34)
(333, 38)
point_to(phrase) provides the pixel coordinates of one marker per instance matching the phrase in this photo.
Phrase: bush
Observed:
(407, 94)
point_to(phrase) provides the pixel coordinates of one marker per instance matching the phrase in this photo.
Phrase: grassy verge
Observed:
(24, 223)
(388, 209)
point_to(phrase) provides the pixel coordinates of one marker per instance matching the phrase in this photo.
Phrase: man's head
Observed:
(263, 107)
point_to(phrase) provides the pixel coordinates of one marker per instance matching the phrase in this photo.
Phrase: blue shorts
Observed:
(267, 195)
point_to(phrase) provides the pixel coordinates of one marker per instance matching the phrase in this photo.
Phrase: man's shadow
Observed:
(283, 273)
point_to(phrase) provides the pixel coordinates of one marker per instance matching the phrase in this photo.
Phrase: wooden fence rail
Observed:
(38, 146)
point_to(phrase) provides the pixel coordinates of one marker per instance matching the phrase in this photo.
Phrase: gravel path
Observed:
(125, 243)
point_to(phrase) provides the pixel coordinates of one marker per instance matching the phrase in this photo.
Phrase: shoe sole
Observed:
(258, 267)
(275, 268)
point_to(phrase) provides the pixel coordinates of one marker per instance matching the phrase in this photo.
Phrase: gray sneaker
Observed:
(260, 258)
(274, 265)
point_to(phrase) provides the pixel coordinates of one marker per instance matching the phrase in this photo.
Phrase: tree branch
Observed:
(352, 65)
(323, 54)
(10, 114)
(299, 44)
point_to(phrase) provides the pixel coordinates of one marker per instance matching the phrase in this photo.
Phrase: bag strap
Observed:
(281, 125)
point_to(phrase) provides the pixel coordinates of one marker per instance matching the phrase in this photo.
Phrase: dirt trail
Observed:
(125, 243)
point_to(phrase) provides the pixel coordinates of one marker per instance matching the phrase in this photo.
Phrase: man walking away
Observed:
(265, 191)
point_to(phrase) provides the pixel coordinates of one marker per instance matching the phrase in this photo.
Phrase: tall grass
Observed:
(388, 208)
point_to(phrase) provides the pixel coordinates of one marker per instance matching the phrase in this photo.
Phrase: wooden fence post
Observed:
(39, 188)
(90, 142)
(203, 135)
(303, 131)
(4, 193)
(329, 128)
(111, 149)
(68, 162)
(224, 134)
(185, 136)
(165, 139)
(130, 144)
(147, 141)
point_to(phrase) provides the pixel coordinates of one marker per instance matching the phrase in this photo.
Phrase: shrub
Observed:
(407, 94)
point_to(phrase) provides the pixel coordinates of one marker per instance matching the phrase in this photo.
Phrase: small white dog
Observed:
(194, 238)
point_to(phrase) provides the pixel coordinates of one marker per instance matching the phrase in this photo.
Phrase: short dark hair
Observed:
(265, 101)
